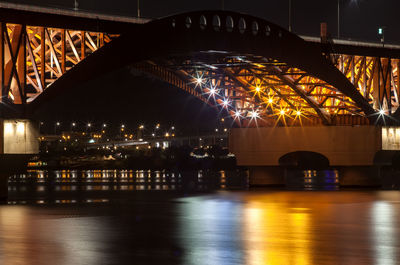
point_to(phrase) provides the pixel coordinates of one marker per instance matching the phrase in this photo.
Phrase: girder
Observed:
(35, 57)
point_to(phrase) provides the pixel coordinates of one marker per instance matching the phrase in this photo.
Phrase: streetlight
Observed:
(381, 33)
(55, 127)
(338, 16)
(290, 15)
(40, 125)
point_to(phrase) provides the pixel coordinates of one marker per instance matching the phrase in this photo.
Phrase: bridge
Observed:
(265, 78)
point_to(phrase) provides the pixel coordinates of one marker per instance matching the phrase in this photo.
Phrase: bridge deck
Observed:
(66, 18)
(360, 48)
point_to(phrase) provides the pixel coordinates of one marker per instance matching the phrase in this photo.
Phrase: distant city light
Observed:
(104, 125)
(298, 113)
(282, 112)
(89, 125)
(225, 102)
(73, 124)
(58, 123)
(382, 112)
(258, 88)
(123, 126)
(237, 114)
(212, 91)
(270, 100)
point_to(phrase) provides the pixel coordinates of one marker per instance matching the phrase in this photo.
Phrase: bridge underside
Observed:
(255, 72)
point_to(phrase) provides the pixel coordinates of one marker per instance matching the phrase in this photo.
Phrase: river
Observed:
(118, 223)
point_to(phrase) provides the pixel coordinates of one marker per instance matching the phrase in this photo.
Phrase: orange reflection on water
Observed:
(276, 234)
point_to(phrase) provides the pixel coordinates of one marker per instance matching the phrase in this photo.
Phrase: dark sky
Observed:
(359, 18)
(130, 98)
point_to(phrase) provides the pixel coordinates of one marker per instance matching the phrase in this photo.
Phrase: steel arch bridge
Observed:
(255, 71)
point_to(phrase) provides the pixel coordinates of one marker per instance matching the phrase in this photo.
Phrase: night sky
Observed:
(137, 99)
(359, 18)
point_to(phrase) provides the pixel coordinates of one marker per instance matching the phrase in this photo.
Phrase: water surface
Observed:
(218, 227)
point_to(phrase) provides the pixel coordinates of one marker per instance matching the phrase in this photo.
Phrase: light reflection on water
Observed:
(292, 228)
(384, 234)
(224, 227)
(283, 228)
(127, 180)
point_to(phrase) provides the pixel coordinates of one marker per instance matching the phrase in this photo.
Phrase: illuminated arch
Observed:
(260, 73)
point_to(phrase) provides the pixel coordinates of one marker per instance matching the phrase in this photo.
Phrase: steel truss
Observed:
(260, 91)
(377, 79)
(253, 90)
(32, 58)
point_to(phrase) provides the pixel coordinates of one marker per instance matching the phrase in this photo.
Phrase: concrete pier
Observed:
(19, 140)
(349, 149)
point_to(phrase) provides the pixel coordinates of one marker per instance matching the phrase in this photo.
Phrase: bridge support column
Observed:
(19, 140)
(348, 149)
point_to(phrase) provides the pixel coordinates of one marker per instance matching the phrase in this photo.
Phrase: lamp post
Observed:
(290, 15)
(338, 19)
(138, 8)
(381, 33)
(55, 127)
